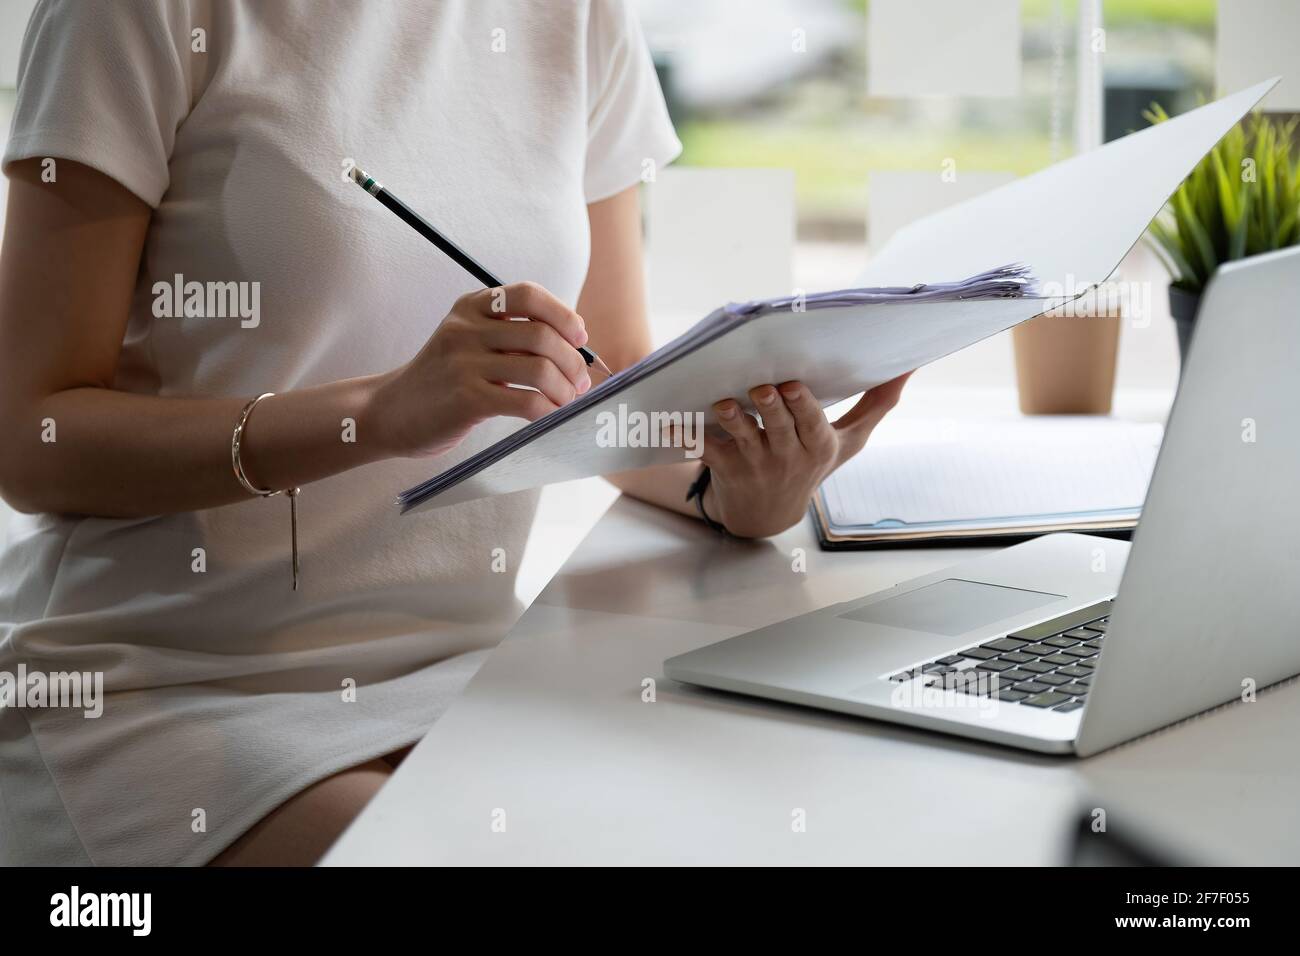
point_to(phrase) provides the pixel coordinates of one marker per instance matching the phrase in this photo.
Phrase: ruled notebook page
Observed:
(923, 473)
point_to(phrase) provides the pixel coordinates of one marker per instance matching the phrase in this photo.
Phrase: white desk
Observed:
(553, 731)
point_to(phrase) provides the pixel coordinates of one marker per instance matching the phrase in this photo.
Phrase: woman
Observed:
(168, 142)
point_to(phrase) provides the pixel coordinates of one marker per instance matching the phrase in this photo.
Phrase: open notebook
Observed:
(944, 480)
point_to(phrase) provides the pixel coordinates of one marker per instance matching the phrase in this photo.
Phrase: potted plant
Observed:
(1241, 200)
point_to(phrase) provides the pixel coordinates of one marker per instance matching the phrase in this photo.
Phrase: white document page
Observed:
(1020, 471)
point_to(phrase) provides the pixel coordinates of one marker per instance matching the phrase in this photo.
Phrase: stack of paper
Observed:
(1007, 282)
(932, 480)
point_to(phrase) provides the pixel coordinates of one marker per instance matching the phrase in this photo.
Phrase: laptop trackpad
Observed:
(951, 607)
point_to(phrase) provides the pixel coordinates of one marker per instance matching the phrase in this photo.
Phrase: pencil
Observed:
(453, 252)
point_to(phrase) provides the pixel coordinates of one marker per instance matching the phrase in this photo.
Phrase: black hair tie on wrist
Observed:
(696, 492)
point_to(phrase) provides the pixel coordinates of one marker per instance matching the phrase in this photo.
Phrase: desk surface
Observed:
(553, 739)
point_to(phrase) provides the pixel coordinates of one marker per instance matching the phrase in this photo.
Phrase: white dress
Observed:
(225, 692)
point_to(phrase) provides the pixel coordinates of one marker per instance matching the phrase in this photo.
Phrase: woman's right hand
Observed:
(462, 375)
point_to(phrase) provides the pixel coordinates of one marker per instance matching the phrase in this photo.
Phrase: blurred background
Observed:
(741, 97)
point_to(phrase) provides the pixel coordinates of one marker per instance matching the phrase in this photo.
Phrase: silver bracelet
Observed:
(235, 441)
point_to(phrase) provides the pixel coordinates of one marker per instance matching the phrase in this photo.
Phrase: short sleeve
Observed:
(627, 120)
(104, 83)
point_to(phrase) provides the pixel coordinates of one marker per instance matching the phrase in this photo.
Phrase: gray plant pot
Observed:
(1183, 306)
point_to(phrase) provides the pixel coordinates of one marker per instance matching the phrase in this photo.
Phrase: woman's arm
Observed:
(762, 477)
(613, 305)
(71, 254)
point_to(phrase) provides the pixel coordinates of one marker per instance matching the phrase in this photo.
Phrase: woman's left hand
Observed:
(764, 477)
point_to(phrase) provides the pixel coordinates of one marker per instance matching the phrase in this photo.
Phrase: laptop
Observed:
(1071, 643)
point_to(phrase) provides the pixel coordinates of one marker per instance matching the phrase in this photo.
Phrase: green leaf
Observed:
(1237, 241)
(1155, 113)
(1267, 179)
(1287, 233)
(1168, 241)
(1190, 226)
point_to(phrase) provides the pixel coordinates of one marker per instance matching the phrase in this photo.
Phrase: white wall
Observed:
(1257, 40)
(715, 236)
(943, 48)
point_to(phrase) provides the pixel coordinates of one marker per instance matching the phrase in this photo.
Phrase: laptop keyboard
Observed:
(1049, 665)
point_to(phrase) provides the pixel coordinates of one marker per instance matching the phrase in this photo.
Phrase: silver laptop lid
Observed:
(1209, 605)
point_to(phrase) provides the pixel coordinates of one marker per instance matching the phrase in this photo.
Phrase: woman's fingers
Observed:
(535, 371)
(717, 452)
(528, 300)
(539, 339)
(815, 432)
(778, 423)
(794, 424)
(871, 407)
(516, 402)
(740, 426)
